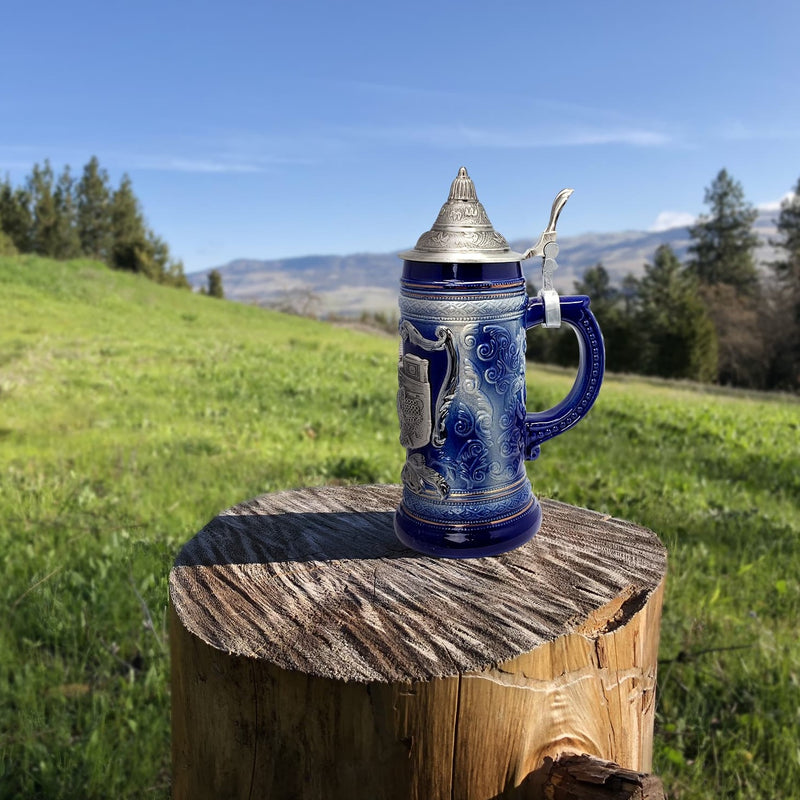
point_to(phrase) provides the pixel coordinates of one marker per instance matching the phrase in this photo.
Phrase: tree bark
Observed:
(313, 656)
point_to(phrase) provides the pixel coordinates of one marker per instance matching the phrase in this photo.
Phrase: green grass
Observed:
(130, 414)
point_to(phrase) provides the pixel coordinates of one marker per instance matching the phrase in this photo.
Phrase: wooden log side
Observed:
(315, 656)
(244, 728)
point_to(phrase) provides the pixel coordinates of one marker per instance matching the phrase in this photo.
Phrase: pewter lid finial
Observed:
(462, 232)
(462, 188)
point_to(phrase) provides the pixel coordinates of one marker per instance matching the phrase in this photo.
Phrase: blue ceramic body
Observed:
(461, 404)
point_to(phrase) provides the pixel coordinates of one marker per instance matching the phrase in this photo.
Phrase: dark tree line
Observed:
(713, 318)
(63, 217)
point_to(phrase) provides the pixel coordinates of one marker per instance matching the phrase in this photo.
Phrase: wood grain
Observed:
(314, 656)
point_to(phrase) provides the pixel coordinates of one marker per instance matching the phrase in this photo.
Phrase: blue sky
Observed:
(276, 129)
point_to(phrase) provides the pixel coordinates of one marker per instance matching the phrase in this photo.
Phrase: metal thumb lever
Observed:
(547, 248)
(549, 233)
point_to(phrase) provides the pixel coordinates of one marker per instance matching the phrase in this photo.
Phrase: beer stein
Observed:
(464, 312)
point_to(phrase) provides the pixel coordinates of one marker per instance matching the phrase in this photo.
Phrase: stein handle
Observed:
(543, 425)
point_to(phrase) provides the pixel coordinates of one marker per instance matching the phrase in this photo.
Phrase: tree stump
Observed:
(314, 656)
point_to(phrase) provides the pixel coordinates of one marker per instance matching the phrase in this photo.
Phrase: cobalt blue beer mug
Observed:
(464, 313)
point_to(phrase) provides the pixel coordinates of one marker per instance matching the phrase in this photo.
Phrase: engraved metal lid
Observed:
(462, 233)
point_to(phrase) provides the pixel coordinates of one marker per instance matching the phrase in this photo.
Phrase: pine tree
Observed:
(679, 340)
(167, 270)
(630, 294)
(722, 250)
(134, 247)
(176, 276)
(611, 308)
(160, 254)
(787, 269)
(215, 284)
(16, 220)
(130, 249)
(596, 284)
(93, 200)
(44, 238)
(785, 332)
(67, 241)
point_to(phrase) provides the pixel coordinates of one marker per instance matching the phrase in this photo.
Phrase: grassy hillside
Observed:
(131, 413)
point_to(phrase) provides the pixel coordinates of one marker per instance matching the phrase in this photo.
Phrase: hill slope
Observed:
(131, 413)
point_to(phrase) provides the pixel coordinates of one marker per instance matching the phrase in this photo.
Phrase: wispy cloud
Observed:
(232, 153)
(193, 159)
(738, 131)
(402, 91)
(166, 163)
(667, 220)
(504, 139)
(539, 106)
(774, 205)
(638, 137)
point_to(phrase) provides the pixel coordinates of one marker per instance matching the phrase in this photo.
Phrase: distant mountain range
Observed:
(349, 285)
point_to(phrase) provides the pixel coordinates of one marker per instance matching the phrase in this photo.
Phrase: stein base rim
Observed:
(459, 541)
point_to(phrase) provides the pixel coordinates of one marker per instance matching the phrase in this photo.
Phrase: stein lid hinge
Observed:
(552, 306)
(547, 248)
